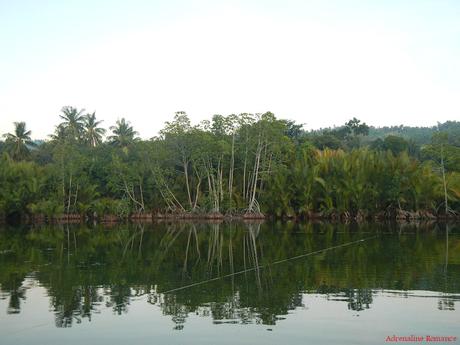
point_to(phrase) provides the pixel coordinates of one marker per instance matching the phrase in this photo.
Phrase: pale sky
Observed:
(316, 62)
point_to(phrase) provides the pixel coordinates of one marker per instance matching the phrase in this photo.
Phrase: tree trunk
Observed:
(230, 175)
(444, 180)
(70, 194)
(252, 201)
(185, 164)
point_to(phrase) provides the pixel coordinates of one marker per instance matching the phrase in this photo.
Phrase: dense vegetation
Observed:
(232, 165)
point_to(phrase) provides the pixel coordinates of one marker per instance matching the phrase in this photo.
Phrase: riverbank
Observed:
(399, 216)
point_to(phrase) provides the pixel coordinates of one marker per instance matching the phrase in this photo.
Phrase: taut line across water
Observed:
(268, 265)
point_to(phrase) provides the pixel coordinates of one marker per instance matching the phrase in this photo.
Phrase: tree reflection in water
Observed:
(85, 270)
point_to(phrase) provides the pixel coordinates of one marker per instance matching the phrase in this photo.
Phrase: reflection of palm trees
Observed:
(215, 240)
(14, 304)
(80, 304)
(119, 298)
(129, 261)
(359, 299)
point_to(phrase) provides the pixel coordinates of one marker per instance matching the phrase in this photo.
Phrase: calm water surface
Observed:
(271, 283)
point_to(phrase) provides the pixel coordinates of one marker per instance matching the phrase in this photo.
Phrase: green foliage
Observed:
(395, 144)
(355, 127)
(327, 140)
(361, 180)
(20, 185)
(107, 206)
(419, 135)
(441, 143)
(123, 134)
(17, 144)
(92, 133)
(246, 163)
(49, 208)
(72, 126)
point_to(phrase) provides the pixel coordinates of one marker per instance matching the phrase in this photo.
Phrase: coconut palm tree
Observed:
(123, 134)
(60, 134)
(93, 133)
(73, 123)
(17, 143)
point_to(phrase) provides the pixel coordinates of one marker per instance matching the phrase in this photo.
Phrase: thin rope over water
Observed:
(268, 265)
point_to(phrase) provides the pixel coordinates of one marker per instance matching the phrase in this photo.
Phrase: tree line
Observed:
(250, 165)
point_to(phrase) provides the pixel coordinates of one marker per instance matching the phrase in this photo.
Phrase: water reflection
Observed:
(232, 273)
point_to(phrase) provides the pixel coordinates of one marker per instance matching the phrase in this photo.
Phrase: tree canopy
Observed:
(245, 164)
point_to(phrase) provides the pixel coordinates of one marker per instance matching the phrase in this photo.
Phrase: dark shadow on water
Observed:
(86, 270)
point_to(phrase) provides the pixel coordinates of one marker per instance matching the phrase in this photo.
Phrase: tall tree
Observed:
(17, 142)
(93, 133)
(440, 140)
(356, 127)
(177, 136)
(73, 122)
(59, 134)
(123, 134)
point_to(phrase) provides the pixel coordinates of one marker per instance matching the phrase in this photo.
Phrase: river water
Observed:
(228, 283)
